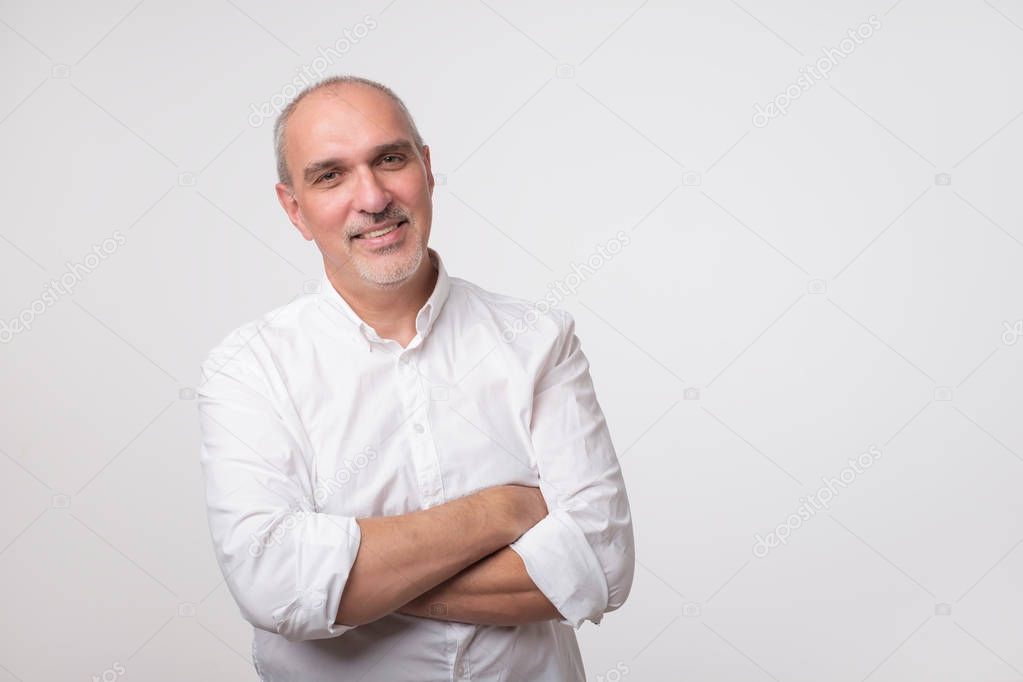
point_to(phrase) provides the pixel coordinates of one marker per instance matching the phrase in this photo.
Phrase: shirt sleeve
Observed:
(285, 564)
(582, 555)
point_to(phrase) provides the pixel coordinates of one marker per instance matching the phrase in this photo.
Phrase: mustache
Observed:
(379, 219)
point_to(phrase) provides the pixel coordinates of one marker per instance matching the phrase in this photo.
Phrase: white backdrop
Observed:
(824, 219)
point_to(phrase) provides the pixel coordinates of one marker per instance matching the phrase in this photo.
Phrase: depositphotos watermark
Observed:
(559, 289)
(618, 672)
(321, 493)
(811, 504)
(63, 286)
(312, 72)
(811, 74)
(111, 674)
(1012, 332)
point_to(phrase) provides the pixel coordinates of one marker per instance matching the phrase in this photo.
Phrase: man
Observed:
(397, 488)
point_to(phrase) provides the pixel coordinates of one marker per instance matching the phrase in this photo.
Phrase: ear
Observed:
(290, 205)
(429, 169)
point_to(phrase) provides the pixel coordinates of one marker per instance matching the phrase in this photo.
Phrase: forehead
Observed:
(344, 122)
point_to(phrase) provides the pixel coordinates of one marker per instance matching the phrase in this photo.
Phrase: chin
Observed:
(401, 268)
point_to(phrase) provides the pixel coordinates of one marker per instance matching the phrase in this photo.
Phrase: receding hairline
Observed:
(333, 87)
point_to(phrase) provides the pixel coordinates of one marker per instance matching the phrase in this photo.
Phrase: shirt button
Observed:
(315, 599)
(418, 427)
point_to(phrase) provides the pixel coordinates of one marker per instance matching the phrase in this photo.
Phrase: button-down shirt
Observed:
(311, 420)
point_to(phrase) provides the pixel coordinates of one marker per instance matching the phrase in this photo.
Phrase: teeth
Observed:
(380, 233)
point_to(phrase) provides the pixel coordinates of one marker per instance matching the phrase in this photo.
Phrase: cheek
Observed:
(328, 217)
(411, 190)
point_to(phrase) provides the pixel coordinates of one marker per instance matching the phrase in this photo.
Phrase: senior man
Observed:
(399, 488)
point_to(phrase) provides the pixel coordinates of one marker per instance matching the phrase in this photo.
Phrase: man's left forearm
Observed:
(494, 591)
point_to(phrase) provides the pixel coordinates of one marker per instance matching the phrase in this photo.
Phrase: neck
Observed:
(390, 311)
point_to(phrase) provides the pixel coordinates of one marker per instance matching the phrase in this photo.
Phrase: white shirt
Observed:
(311, 420)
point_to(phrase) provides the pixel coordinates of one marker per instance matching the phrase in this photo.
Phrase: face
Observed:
(360, 188)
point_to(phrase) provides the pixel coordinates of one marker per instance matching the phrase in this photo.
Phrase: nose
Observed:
(370, 195)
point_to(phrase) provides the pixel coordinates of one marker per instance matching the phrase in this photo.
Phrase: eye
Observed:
(327, 176)
(398, 158)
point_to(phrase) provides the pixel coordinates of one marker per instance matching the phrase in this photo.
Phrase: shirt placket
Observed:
(459, 636)
(427, 467)
(417, 427)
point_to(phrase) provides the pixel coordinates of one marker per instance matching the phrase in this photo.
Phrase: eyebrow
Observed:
(314, 168)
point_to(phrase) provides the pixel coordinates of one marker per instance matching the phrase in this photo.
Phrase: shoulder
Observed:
(249, 344)
(515, 316)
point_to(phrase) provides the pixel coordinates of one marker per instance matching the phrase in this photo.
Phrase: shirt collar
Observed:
(424, 319)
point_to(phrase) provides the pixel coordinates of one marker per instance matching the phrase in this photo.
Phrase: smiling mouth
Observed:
(373, 234)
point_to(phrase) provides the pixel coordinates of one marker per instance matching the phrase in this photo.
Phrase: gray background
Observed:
(846, 276)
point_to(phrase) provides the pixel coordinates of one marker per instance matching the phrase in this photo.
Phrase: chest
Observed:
(394, 435)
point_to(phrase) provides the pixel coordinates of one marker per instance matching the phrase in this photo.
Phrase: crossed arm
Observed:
(493, 591)
(450, 562)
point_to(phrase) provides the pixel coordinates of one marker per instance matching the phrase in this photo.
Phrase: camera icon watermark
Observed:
(943, 179)
(692, 179)
(60, 71)
(186, 179)
(186, 610)
(311, 286)
(817, 286)
(61, 501)
(691, 393)
(942, 609)
(186, 393)
(691, 610)
(943, 394)
(565, 71)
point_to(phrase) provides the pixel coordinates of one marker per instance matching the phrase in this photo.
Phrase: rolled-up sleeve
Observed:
(285, 564)
(582, 555)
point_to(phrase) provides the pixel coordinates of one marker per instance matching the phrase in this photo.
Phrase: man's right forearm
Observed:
(401, 557)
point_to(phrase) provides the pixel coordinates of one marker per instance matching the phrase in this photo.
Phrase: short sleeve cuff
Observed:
(561, 563)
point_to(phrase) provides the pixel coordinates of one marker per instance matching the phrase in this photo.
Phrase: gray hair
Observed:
(280, 127)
